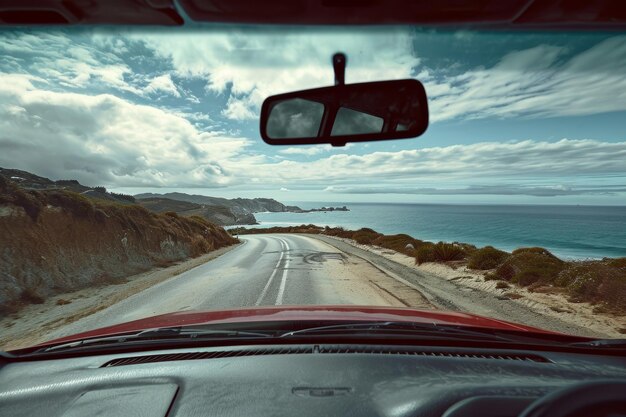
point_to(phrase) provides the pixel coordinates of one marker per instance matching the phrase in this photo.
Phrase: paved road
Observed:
(272, 269)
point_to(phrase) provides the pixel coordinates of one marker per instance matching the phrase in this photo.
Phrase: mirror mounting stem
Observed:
(339, 65)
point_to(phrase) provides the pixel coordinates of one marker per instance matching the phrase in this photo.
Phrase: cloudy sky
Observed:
(515, 118)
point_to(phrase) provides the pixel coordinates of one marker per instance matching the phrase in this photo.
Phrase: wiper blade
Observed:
(162, 334)
(399, 328)
(603, 343)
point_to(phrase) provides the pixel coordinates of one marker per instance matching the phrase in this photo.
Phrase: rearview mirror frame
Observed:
(337, 91)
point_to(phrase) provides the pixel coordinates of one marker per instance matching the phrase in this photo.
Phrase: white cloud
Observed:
(308, 151)
(256, 65)
(70, 61)
(104, 139)
(164, 84)
(570, 158)
(524, 190)
(535, 82)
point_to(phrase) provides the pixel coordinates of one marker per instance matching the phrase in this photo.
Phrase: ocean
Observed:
(572, 232)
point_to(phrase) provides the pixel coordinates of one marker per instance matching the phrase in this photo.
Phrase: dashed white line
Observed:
(269, 281)
(283, 281)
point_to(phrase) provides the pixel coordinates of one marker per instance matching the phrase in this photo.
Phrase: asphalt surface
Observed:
(271, 269)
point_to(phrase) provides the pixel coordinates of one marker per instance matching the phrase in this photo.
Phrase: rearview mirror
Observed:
(346, 113)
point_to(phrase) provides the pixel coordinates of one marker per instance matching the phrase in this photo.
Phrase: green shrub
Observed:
(78, 205)
(424, 253)
(438, 252)
(27, 200)
(617, 262)
(123, 197)
(535, 250)
(365, 236)
(530, 265)
(596, 282)
(486, 258)
(444, 252)
(30, 203)
(398, 243)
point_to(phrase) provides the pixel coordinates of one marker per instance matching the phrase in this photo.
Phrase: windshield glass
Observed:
(134, 181)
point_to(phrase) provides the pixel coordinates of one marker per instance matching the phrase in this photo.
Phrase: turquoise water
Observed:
(568, 231)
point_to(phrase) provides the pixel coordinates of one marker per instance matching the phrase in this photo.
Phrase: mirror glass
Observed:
(295, 118)
(346, 113)
(354, 122)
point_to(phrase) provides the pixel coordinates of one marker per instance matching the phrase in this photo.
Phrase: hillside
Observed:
(55, 240)
(222, 211)
(221, 215)
(29, 181)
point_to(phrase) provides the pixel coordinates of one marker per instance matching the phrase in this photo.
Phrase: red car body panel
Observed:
(303, 313)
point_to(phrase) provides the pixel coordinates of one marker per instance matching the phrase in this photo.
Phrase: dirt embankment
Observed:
(59, 241)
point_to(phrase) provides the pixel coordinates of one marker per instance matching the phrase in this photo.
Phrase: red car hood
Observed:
(303, 313)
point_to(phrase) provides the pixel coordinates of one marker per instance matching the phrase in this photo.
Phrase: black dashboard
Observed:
(302, 381)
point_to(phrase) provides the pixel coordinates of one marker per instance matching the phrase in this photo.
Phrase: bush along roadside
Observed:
(600, 282)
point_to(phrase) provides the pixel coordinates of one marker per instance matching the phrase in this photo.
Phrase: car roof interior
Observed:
(496, 14)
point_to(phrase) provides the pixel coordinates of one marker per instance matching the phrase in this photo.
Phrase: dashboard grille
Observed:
(329, 349)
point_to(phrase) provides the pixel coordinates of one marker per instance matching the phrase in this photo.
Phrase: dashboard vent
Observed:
(207, 355)
(433, 353)
(299, 350)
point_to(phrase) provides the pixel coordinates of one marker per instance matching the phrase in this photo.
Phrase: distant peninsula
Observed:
(324, 209)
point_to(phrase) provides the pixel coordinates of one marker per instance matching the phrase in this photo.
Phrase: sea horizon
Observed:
(569, 231)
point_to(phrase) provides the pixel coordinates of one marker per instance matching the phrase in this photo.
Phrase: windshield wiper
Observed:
(603, 343)
(162, 334)
(400, 329)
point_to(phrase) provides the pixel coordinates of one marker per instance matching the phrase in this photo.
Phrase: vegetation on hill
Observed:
(601, 282)
(28, 181)
(486, 258)
(57, 240)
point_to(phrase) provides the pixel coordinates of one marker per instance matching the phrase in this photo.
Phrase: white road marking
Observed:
(281, 289)
(269, 281)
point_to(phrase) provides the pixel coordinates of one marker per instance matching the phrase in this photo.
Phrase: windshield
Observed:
(134, 181)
